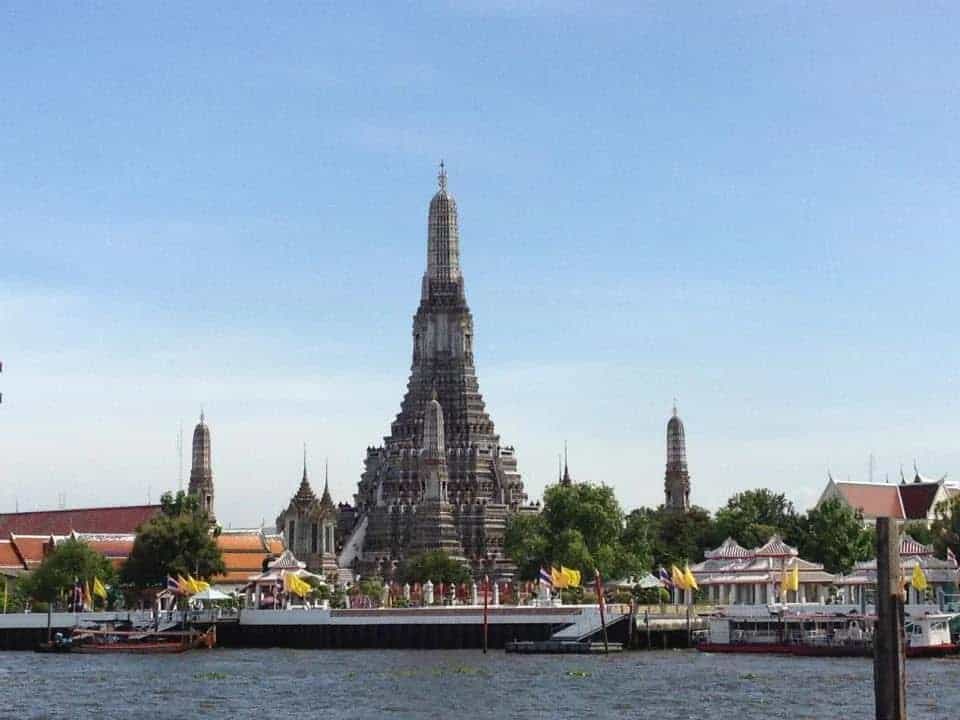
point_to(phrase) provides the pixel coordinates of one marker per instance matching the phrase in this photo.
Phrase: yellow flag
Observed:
(919, 580)
(183, 586)
(195, 585)
(559, 581)
(679, 579)
(689, 579)
(571, 578)
(795, 578)
(99, 589)
(293, 584)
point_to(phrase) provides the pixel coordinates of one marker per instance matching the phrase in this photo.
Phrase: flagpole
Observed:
(486, 589)
(603, 622)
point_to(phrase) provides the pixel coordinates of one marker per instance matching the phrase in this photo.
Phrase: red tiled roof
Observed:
(87, 520)
(917, 499)
(873, 500)
(112, 548)
(30, 548)
(9, 559)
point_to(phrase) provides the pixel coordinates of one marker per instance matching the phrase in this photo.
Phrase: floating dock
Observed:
(561, 647)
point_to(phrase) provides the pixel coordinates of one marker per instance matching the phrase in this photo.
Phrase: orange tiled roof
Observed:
(275, 543)
(30, 548)
(9, 559)
(243, 561)
(874, 500)
(241, 542)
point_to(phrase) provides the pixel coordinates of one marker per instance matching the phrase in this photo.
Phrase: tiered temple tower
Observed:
(201, 471)
(469, 471)
(676, 483)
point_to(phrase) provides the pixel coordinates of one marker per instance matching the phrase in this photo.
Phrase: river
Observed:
(459, 684)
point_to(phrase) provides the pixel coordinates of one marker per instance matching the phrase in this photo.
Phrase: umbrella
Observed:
(210, 594)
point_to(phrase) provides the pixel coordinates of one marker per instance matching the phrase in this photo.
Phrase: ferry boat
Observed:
(819, 630)
(95, 642)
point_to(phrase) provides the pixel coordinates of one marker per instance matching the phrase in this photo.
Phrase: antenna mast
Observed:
(180, 457)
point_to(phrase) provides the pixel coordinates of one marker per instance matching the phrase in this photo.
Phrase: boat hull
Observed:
(822, 650)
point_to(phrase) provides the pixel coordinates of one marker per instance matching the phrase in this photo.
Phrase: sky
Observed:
(749, 207)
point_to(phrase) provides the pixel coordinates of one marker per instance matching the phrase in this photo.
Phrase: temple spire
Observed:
(201, 469)
(677, 478)
(325, 498)
(442, 177)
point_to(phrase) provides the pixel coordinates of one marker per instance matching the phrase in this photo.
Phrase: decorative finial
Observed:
(326, 476)
(442, 177)
(674, 405)
(201, 415)
(304, 461)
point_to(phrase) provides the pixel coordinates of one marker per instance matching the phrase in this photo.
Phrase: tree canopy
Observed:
(70, 561)
(581, 527)
(178, 541)
(753, 516)
(946, 526)
(436, 566)
(834, 534)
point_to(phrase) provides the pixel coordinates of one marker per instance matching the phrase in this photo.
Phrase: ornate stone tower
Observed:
(308, 525)
(433, 526)
(201, 471)
(480, 475)
(676, 483)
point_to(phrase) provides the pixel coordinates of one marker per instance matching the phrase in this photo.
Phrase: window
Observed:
(314, 537)
(291, 526)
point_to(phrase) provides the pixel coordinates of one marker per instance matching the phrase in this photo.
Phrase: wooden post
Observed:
(603, 622)
(689, 629)
(889, 641)
(646, 621)
(486, 593)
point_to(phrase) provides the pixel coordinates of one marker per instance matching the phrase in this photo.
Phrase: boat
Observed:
(817, 630)
(96, 641)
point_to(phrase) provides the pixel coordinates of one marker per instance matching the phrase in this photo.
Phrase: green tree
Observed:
(69, 561)
(436, 566)
(581, 527)
(526, 543)
(178, 541)
(834, 534)
(946, 526)
(753, 516)
(920, 532)
(680, 537)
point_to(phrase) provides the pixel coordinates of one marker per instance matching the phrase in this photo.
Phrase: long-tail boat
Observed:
(91, 642)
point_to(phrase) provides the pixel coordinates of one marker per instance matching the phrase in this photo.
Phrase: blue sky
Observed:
(753, 208)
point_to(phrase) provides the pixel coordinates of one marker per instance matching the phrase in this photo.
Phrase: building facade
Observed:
(914, 501)
(309, 525)
(479, 484)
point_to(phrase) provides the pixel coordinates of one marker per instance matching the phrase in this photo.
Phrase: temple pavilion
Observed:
(941, 575)
(733, 575)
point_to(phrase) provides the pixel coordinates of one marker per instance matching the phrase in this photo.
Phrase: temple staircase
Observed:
(354, 544)
(589, 624)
